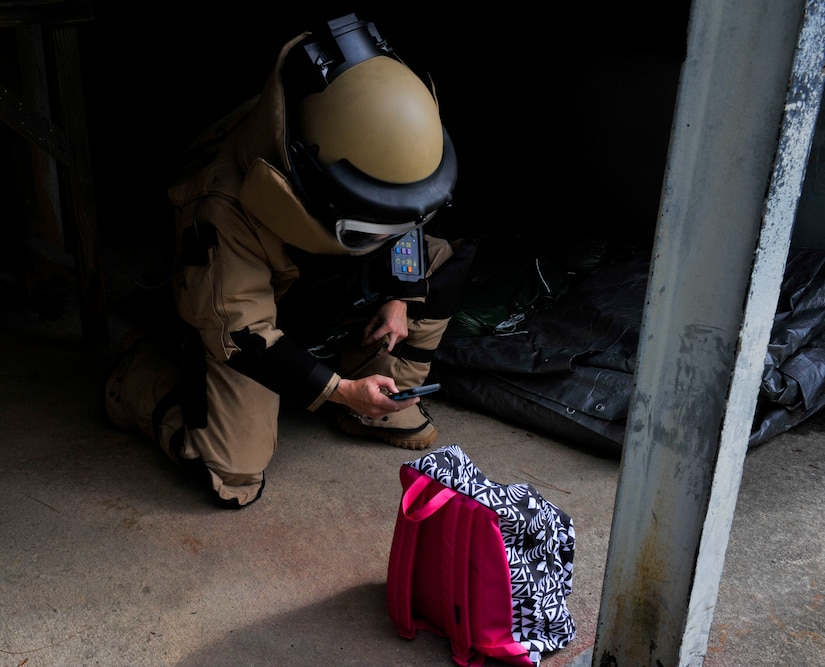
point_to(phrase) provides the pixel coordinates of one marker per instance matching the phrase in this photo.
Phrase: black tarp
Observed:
(562, 360)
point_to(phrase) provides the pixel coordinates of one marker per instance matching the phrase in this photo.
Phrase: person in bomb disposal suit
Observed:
(303, 270)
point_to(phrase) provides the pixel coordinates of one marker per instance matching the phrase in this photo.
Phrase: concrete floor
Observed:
(110, 558)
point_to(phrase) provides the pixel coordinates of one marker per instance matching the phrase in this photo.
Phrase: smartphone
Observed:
(415, 391)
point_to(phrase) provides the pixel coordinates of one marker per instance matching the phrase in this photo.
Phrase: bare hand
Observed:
(390, 320)
(368, 396)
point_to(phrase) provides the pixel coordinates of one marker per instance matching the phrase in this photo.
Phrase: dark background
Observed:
(560, 117)
(549, 117)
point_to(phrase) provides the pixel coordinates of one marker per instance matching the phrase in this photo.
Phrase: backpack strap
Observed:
(432, 505)
(405, 545)
(455, 579)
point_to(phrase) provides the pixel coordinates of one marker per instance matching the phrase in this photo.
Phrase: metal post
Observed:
(745, 115)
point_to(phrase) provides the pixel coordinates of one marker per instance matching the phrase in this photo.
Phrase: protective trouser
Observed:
(410, 360)
(153, 388)
(222, 426)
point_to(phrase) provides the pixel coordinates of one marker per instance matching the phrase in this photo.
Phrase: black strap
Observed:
(404, 350)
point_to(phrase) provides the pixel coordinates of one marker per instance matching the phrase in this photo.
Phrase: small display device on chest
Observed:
(408, 256)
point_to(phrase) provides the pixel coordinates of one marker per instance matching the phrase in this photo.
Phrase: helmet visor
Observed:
(362, 236)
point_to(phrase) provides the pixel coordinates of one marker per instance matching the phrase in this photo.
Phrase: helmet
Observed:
(367, 150)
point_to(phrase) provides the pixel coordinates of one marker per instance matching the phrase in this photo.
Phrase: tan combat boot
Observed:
(410, 428)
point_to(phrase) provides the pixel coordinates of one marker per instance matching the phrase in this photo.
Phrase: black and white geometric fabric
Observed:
(539, 540)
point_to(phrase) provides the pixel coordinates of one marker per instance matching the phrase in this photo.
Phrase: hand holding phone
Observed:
(415, 391)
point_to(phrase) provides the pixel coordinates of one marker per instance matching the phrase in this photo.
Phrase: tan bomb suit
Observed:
(239, 227)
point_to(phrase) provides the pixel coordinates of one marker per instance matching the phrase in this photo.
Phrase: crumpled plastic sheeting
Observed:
(568, 370)
(793, 383)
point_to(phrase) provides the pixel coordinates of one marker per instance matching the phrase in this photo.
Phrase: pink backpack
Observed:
(487, 565)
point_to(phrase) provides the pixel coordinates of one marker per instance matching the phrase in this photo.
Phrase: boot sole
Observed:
(404, 440)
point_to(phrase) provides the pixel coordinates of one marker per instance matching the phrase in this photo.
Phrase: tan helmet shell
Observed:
(381, 117)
